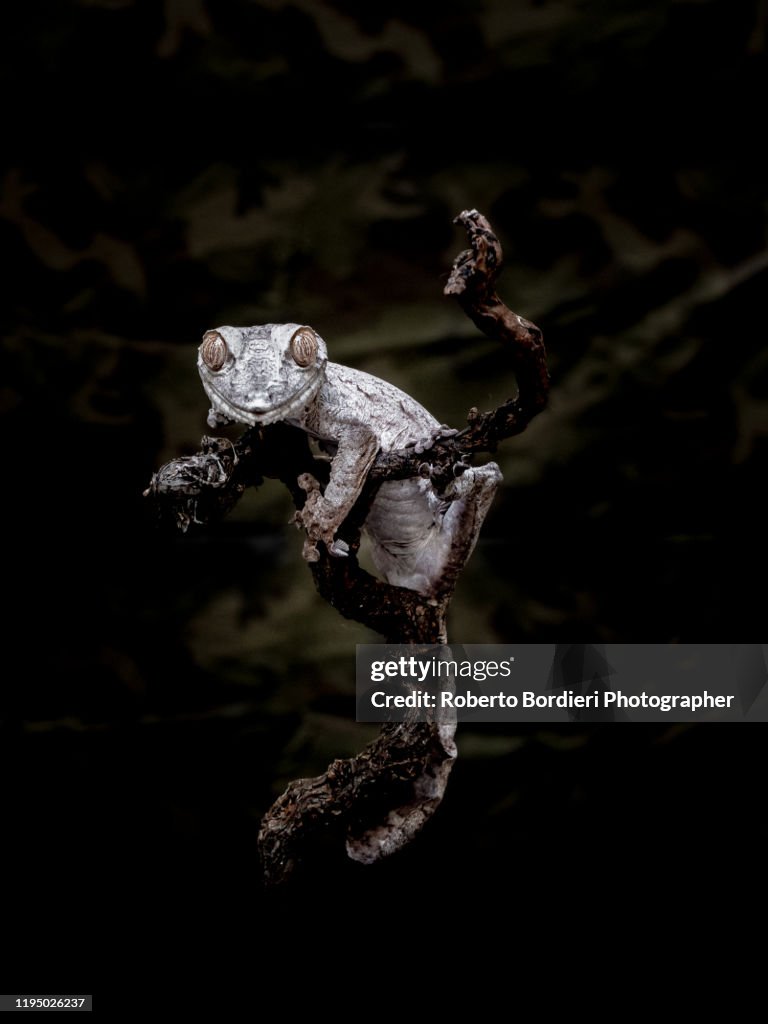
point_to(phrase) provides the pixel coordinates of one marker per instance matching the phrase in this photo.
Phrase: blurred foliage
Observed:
(180, 165)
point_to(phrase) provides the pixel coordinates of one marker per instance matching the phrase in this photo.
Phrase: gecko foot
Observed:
(320, 519)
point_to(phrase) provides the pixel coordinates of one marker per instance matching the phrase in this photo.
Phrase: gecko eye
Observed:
(214, 351)
(304, 346)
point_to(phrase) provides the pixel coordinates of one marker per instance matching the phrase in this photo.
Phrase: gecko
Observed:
(420, 538)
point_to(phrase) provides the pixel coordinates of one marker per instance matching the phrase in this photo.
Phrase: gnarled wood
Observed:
(374, 803)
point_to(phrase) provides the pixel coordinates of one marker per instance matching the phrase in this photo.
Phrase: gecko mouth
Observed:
(256, 416)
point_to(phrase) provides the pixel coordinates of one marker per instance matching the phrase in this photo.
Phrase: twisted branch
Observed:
(373, 803)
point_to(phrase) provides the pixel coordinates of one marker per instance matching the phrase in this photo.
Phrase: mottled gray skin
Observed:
(419, 539)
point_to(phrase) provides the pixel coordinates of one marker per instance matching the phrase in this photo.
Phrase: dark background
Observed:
(171, 167)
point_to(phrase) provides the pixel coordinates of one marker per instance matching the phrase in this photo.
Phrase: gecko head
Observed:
(260, 375)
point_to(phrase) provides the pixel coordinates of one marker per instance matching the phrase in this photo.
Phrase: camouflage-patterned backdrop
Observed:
(173, 166)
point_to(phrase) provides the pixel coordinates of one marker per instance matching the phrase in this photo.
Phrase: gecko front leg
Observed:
(323, 513)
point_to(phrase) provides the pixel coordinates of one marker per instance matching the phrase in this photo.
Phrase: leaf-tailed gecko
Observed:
(420, 539)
